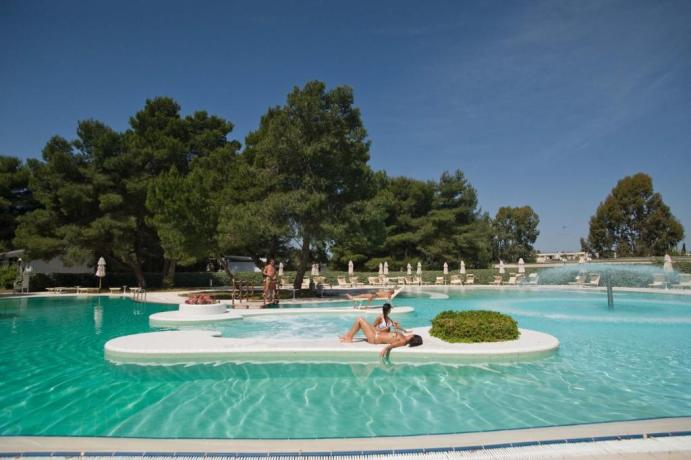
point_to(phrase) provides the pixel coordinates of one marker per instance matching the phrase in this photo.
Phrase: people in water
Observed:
(380, 332)
(269, 273)
(384, 294)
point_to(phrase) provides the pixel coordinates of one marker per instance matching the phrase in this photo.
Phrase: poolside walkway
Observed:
(649, 439)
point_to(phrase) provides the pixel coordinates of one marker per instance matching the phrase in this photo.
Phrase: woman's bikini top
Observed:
(384, 324)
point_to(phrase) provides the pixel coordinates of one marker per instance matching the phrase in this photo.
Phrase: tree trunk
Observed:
(226, 268)
(169, 273)
(302, 263)
(138, 272)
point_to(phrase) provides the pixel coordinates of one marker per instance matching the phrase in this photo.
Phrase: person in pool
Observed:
(380, 333)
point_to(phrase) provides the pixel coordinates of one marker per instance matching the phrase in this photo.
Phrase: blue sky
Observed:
(540, 103)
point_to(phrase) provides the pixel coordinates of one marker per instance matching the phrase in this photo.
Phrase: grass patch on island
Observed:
(474, 326)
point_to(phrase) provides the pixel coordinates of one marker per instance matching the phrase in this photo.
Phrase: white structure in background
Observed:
(502, 270)
(101, 271)
(446, 269)
(386, 268)
(280, 269)
(419, 269)
(521, 265)
(242, 264)
(351, 268)
(462, 269)
(552, 257)
(668, 264)
(381, 269)
(409, 270)
(54, 265)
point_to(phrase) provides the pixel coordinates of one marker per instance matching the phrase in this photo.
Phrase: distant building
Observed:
(54, 265)
(241, 264)
(552, 257)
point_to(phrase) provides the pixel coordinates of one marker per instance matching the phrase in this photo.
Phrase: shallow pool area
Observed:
(631, 362)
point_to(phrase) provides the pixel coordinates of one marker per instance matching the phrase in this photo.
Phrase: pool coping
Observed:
(32, 446)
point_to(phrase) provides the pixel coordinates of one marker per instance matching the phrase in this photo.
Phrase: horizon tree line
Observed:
(174, 191)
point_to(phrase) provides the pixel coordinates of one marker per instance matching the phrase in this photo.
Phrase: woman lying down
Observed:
(380, 332)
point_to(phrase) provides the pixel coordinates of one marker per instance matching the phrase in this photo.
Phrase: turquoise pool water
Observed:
(628, 363)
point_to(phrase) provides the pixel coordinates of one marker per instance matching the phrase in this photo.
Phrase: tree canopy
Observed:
(515, 232)
(174, 191)
(633, 221)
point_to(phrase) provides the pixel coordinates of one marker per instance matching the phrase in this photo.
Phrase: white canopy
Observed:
(381, 268)
(351, 268)
(280, 269)
(386, 268)
(502, 270)
(521, 265)
(410, 270)
(101, 268)
(462, 270)
(446, 268)
(419, 268)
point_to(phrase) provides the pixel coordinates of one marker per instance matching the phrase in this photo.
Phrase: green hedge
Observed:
(7, 277)
(474, 326)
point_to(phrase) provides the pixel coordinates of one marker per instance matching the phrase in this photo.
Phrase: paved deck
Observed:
(630, 439)
(207, 346)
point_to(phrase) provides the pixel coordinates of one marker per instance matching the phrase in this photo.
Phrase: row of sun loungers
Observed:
(89, 290)
(583, 280)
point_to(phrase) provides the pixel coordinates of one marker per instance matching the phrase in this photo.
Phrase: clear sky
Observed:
(540, 103)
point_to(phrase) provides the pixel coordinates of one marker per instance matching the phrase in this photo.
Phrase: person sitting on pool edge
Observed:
(373, 336)
(383, 323)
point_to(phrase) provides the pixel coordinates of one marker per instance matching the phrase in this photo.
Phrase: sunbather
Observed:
(374, 336)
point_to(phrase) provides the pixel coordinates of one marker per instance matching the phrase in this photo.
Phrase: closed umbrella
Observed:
(668, 264)
(381, 269)
(521, 265)
(100, 271)
(419, 268)
(280, 269)
(410, 270)
(316, 269)
(351, 268)
(446, 268)
(501, 267)
(462, 270)
(581, 260)
(386, 268)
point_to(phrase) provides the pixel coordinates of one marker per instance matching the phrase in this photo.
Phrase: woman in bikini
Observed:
(380, 333)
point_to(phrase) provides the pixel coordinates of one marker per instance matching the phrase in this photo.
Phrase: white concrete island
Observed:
(198, 346)
(187, 315)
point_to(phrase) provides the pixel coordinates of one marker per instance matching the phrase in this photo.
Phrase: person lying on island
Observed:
(391, 339)
(383, 323)
(384, 294)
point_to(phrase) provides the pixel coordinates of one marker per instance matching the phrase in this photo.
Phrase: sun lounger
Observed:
(354, 281)
(374, 280)
(498, 279)
(417, 280)
(87, 290)
(594, 280)
(533, 279)
(439, 280)
(659, 281)
(407, 280)
(684, 282)
(455, 279)
(470, 278)
(342, 281)
(305, 283)
(115, 290)
(579, 281)
(512, 279)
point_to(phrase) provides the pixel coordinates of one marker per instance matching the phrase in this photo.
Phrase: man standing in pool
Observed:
(269, 273)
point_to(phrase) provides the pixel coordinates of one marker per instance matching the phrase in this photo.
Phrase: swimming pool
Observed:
(632, 362)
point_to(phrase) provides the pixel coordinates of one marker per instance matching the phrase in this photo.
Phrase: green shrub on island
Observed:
(474, 326)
